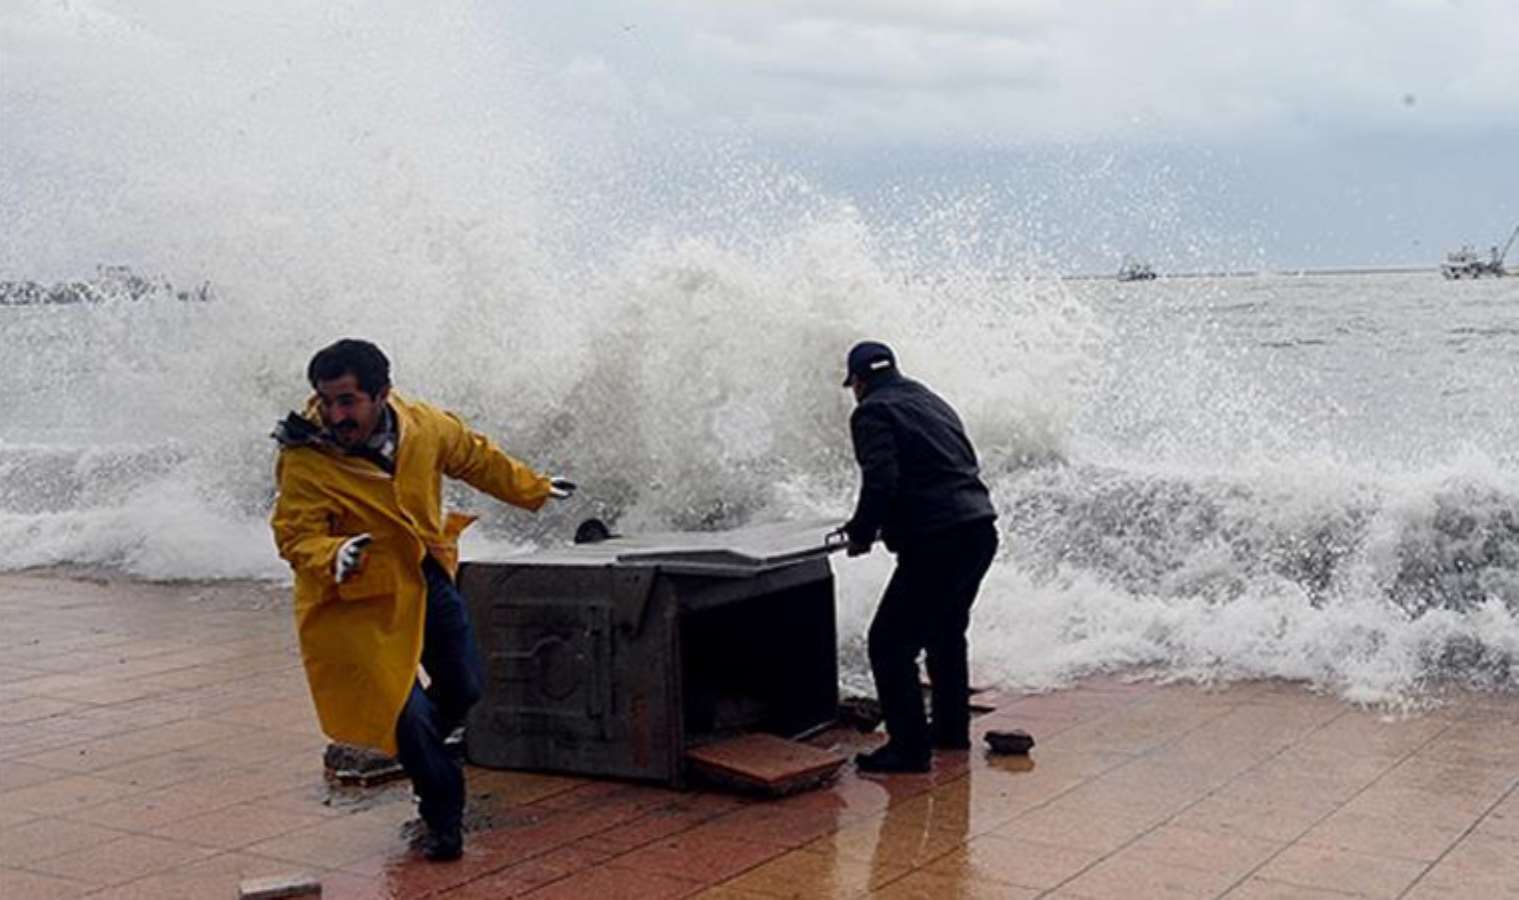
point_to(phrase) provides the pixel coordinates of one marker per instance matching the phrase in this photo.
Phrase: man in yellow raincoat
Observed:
(359, 518)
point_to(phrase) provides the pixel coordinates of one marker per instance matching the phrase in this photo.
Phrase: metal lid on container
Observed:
(739, 552)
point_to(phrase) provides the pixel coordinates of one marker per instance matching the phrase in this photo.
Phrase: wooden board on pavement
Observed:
(764, 763)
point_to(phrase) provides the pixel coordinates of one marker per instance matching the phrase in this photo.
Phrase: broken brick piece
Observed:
(348, 764)
(279, 887)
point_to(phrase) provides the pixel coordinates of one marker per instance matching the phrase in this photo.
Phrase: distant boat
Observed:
(1134, 270)
(1465, 263)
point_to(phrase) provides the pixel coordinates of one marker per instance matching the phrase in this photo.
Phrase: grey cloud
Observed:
(1158, 69)
(877, 56)
(1004, 18)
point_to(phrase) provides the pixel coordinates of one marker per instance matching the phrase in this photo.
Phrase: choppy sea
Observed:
(1307, 477)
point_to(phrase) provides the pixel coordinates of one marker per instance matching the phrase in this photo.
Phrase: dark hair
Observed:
(351, 356)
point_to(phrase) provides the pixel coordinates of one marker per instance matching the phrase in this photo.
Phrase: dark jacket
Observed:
(919, 471)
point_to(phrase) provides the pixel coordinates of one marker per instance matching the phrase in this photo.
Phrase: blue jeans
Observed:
(453, 667)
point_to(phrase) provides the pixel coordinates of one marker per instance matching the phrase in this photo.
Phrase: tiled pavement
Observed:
(157, 741)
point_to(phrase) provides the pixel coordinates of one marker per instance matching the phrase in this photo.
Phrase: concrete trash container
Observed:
(614, 658)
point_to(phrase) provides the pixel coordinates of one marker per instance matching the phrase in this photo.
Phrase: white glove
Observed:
(349, 556)
(560, 488)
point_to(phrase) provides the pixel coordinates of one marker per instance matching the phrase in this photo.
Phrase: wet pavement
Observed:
(157, 741)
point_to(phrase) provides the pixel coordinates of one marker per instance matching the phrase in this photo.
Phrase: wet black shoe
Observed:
(891, 758)
(443, 846)
(960, 742)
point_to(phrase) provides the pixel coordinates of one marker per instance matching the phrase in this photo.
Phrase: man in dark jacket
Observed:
(921, 492)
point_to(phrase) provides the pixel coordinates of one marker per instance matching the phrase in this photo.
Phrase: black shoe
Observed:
(961, 742)
(443, 846)
(891, 758)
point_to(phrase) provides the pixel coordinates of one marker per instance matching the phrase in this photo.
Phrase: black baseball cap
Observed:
(866, 359)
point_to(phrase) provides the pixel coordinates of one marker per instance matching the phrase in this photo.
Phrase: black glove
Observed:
(852, 547)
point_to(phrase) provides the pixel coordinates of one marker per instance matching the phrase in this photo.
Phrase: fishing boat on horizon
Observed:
(1465, 263)
(1134, 270)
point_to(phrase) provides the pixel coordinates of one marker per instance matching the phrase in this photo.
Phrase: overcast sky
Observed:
(1196, 133)
(1302, 133)
(1014, 71)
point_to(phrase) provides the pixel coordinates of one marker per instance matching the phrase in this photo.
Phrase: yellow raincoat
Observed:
(361, 640)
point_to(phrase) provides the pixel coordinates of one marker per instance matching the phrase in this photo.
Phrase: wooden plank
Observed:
(764, 763)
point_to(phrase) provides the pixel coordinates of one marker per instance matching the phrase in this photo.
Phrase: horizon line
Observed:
(1252, 273)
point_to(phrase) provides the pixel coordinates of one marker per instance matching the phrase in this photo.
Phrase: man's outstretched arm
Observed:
(474, 459)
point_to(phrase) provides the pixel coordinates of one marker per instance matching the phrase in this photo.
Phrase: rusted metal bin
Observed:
(614, 658)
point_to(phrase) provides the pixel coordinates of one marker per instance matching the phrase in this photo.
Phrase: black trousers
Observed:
(453, 666)
(926, 607)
